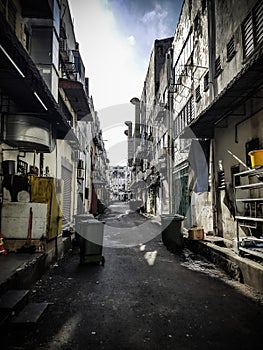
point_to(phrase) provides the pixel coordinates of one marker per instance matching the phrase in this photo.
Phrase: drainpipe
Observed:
(170, 131)
(213, 187)
(130, 142)
(213, 94)
(211, 46)
(135, 101)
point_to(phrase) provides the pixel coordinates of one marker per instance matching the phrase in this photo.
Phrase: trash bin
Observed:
(78, 219)
(172, 235)
(91, 241)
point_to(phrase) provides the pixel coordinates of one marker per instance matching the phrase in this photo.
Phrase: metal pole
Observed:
(170, 133)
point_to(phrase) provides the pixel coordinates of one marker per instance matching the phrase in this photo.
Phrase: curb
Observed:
(241, 269)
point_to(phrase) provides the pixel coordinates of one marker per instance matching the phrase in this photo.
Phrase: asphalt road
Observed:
(143, 298)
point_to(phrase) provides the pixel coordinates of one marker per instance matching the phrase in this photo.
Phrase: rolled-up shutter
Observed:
(67, 177)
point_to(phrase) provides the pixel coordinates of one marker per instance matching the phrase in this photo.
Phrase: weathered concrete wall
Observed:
(229, 15)
(152, 81)
(201, 211)
(233, 138)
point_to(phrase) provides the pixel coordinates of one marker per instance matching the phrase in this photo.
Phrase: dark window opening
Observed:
(206, 81)
(258, 22)
(230, 49)
(218, 68)
(252, 29)
(197, 94)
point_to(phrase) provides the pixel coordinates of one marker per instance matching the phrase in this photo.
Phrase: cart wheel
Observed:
(102, 261)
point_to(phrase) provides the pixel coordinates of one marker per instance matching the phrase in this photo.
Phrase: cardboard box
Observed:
(196, 233)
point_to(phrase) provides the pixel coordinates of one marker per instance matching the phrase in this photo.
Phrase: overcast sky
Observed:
(115, 39)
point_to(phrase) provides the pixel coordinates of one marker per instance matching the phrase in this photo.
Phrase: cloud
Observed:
(132, 40)
(112, 63)
(156, 22)
(115, 39)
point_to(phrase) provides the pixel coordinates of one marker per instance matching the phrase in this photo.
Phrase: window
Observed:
(197, 94)
(230, 49)
(218, 68)
(185, 117)
(206, 81)
(258, 22)
(247, 35)
(252, 29)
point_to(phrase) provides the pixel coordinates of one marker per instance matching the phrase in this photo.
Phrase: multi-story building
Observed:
(148, 132)
(48, 121)
(119, 183)
(100, 168)
(217, 105)
(209, 100)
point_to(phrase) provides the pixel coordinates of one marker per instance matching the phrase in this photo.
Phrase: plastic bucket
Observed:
(256, 158)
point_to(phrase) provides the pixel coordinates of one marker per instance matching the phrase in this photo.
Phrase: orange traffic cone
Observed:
(2, 247)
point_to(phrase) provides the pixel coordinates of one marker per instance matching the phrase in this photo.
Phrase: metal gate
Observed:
(181, 192)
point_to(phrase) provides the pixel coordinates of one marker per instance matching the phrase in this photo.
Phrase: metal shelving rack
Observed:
(251, 213)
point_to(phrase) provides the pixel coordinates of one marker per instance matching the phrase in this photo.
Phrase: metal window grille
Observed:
(247, 34)
(252, 29)
(184, 117)
(197, 94)
(206, 81)
(218, 68)
(230, 49)
(258, 20)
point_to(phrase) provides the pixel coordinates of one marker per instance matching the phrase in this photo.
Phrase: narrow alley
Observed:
(143, 298)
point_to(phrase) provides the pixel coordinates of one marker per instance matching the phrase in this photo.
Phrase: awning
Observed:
(22, 82)
(244, 85)
(77, 98)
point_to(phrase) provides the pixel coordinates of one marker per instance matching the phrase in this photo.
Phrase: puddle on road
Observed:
(197, 263)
